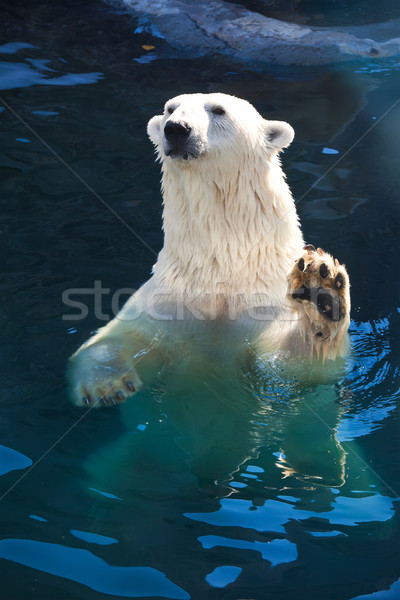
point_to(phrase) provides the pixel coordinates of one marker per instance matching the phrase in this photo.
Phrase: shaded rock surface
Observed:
(226, 28)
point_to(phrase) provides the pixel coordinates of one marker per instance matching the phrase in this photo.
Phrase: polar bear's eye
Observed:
(170, 110)
(217, 110)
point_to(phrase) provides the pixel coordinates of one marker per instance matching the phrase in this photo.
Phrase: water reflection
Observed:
(219, 418)
(263, 447)
(292, 484)
(86, 568)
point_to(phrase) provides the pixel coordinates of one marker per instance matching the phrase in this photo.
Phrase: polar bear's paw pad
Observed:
(321, 284)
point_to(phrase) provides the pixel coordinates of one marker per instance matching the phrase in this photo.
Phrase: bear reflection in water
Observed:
(204, 420)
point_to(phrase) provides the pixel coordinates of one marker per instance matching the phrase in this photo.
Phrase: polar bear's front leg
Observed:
(110, 367)
(319, 292)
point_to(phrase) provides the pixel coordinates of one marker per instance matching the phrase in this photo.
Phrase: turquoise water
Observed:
(241, 485)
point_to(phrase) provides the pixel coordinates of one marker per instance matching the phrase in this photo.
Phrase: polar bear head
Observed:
(214, 126)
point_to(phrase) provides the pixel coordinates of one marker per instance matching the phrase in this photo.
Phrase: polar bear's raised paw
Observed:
(319, 290)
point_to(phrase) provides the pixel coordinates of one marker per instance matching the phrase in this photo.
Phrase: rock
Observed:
(205, 27)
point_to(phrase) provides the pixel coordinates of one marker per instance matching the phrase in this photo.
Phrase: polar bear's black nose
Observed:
(176, 132)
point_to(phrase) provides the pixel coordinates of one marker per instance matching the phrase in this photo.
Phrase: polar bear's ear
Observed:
(153, 129)
(278, 134)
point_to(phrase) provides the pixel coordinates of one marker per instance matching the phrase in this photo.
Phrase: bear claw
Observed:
(130, 386)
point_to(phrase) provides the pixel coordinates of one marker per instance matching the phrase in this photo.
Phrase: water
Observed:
(326, 13)
(214, 487)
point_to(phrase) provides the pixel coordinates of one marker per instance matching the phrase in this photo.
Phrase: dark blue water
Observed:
(244, 487)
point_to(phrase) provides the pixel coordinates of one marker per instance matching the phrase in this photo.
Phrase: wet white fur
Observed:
(230, 225)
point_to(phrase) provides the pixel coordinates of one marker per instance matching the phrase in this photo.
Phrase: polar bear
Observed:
(234, 271)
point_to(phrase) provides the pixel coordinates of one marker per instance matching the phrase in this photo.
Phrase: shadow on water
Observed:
(221, 482)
